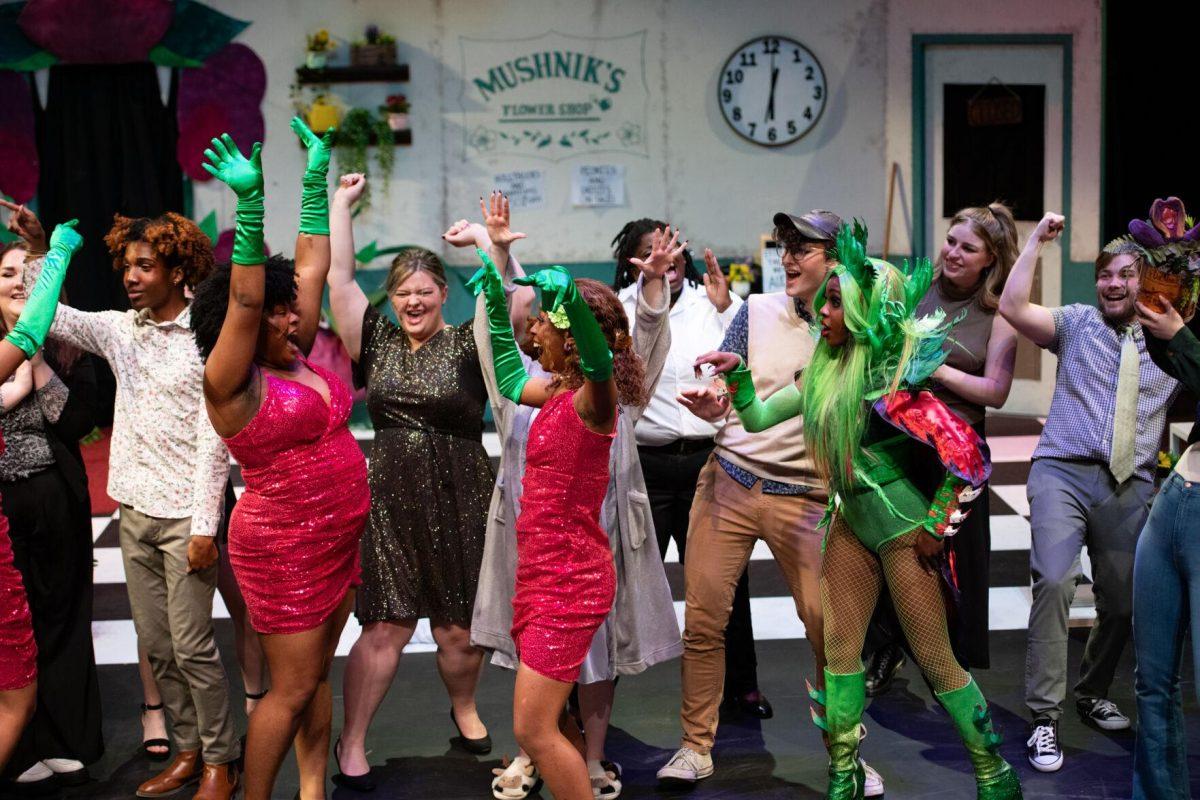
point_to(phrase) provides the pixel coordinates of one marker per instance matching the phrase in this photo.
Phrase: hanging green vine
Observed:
(354, 136)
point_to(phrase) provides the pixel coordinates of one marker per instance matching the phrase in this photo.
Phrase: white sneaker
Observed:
(59, 765)
(38, 772)
(1042, 748)
(686, 767)
(873, 782)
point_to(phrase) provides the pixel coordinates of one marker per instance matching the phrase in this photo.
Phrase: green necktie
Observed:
(1120, 459)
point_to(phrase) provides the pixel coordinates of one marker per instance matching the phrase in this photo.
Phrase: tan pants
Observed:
(726, 520)
(172, 613)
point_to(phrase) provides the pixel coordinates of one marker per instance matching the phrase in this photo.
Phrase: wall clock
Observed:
(772, 91)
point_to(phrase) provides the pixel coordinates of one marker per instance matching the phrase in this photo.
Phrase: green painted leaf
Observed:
(208, 226)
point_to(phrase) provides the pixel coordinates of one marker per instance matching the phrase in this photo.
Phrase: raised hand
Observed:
(350, 188)
(496, 218)
(465, 233)
(24, 223)
(319, 147)
(556, 284)
(722, 363)
(1049, 227)
(715, 282)
(66, 238)
(664, 249)
(227, 164)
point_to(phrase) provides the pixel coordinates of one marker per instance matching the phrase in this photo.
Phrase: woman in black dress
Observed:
(45, 497)
(430, 479)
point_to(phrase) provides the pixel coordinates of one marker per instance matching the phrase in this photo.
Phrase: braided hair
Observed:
(625, 246)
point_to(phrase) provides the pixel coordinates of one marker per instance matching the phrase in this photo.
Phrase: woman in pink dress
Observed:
(566, 580)
(293, 538)
(18, 653)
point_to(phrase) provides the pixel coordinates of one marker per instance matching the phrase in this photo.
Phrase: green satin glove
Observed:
(314, 195)
(511, 375)
(244, 176)
(34, 323)
(560, 295)
(758, 415)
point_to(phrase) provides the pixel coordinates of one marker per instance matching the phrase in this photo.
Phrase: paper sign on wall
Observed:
(773, 277)
(597, 185)
(526, 189)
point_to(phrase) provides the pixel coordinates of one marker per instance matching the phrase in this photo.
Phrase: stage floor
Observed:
(911, 740)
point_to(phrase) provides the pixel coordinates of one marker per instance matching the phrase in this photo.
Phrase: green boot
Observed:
(994, 778)
(845, 696)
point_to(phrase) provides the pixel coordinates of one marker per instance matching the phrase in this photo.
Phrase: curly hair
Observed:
(211, 300)
(793, 241)
(175, 239)
(625, 246)
(628, 368)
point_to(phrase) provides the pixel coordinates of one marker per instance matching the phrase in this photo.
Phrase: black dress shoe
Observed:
(885, 663)
(355, 783)
(481, 746)
(755, 704)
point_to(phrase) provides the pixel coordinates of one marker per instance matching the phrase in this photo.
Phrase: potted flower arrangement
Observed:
(740, 279)
(375, 49)
(319, 46)
(395, 109)
(1168, 244)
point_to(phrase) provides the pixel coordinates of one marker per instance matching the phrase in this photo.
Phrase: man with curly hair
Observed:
(167, 469)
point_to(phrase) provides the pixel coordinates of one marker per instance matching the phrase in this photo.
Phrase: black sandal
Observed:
(148, 743)
(256, 695)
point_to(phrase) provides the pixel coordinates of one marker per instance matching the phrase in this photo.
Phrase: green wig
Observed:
(887, 348)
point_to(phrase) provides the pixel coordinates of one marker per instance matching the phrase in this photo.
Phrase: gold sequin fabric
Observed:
(430, 477)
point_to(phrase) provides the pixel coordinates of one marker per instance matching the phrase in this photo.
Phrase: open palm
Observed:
(497, 217)
(228, 165)
(555, 283)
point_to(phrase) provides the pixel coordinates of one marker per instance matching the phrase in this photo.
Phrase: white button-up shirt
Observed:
(696, 328)
(165, 459)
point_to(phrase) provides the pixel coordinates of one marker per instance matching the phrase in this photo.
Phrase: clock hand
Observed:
(770, 115)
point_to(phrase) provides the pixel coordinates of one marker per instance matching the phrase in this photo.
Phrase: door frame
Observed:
(1076, 286)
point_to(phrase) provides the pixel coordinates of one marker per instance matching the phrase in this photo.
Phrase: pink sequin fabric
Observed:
(566, 581)
(18, 653)
(293, 537)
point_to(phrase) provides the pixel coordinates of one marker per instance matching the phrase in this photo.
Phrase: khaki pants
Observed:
(172, 613)
(726, 520)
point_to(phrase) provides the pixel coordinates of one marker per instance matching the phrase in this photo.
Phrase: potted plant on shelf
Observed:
(375, 49)
(319, 46)
(358, 127)
(740, 279)
(395, 110)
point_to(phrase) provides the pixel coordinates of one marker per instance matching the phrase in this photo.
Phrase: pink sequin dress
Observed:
(566, 581)
(293, 536)
(18, 653)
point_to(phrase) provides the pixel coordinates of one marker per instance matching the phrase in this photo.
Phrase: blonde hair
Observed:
(410, 261)
(994, 224)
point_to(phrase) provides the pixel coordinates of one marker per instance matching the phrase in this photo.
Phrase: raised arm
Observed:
(229, 388)
(992, 387)
(29, 333)
(312, 241)
(346, 298)
(1031, 320)
(508, 369)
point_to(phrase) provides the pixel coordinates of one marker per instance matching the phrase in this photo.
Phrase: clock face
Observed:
(772, 91)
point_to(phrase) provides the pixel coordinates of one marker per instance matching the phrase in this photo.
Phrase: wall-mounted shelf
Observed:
(394, 73)
(399, 138)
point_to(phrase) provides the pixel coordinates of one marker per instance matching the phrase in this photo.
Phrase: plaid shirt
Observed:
(1080, 423)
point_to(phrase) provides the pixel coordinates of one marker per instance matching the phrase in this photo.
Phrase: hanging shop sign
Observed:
(554, 95)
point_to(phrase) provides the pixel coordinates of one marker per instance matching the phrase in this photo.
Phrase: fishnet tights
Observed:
(851, 576)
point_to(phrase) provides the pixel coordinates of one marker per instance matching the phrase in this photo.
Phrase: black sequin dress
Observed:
(430, 477)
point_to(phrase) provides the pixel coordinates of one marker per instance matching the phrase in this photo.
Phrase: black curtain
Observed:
(106, 144)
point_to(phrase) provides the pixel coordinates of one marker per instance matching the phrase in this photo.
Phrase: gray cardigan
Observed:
(641, 630)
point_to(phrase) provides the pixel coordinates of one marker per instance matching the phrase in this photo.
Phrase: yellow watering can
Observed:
(324, 113)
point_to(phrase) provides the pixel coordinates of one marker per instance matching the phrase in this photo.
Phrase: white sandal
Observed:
(516, 780)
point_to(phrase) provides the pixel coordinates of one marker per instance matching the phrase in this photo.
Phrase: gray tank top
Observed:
(965, 347)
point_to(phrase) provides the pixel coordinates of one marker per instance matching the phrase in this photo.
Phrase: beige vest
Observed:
(779, 345)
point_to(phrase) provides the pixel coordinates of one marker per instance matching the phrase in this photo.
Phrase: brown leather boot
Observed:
(219, 782)
(185, 769)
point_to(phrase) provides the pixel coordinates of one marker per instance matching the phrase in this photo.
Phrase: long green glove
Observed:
(314, 196)
(758, 415)
(34, 323)
(244, 176)
(511, 375)
(559, 294)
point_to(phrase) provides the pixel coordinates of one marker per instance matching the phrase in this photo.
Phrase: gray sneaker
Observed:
(685, 768)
